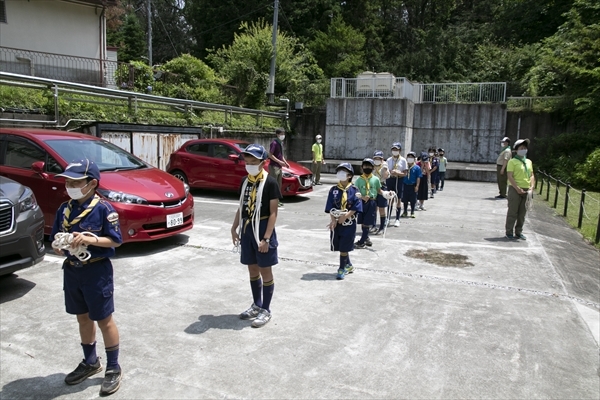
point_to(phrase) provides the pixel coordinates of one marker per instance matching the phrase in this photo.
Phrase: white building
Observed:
(59, 39)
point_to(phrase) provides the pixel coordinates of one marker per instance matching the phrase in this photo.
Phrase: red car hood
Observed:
(150, 183)
(297, 169)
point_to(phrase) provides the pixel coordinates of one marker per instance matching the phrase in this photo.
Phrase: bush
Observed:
(587, 174)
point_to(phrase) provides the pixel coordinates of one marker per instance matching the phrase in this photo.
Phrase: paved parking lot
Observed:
(442, 307)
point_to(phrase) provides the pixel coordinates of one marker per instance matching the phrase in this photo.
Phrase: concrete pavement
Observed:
(503, 320)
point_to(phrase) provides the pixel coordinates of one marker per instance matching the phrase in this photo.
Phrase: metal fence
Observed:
(89, 71)
(388, 86)
(562, 195)
(375, 87)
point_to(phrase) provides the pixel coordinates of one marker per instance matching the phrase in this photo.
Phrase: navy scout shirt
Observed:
(102, 220)
(334, 199)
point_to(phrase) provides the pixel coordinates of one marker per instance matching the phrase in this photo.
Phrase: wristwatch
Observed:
(267, 240)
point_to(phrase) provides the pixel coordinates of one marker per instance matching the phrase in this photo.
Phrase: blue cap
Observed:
(397, 145)
(378, 153)
(368, 161)
(81, 169)
(256, 151)
(346, 166)
(424, 156)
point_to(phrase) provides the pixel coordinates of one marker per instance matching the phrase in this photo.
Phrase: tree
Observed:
(339, 51)
(132, 41)
(246, 63)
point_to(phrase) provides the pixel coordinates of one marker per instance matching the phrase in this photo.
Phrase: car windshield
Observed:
(242, 145)
(106, 155)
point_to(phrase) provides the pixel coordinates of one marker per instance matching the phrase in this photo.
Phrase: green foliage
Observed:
(136, 76)
(339, 51)
(187, 77)
(245, 64)
(587, 171)
(132, 41)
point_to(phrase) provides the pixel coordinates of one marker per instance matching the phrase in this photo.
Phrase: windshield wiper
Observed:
(122, 168)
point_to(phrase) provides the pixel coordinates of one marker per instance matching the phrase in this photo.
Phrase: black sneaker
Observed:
(368, 242)
(359, 245)
(112, 381)
(82, 372)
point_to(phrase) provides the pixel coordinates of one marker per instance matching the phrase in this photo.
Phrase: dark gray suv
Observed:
(21, 227)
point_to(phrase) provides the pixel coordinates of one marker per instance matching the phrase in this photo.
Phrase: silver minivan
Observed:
(21, 227)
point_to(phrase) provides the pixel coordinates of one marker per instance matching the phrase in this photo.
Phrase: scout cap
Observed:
(424, 156)
(318, 137)
(520, 142)
(256, 151)
(506, 139)
(345, 166)
(378, 153)
(368, 161)
(397, 145)
(81, 169)
(412, 153)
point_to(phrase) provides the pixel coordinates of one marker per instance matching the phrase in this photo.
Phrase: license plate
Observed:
(174, 220)
(307, 182)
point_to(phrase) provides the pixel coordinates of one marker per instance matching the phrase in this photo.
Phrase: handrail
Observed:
(69, 87)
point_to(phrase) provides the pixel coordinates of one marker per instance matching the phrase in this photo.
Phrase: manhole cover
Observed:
(439, 258)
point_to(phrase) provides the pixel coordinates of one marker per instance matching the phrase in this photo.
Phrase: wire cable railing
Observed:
(583, 202)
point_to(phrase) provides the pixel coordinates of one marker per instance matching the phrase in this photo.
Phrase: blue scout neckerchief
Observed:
(66, 225)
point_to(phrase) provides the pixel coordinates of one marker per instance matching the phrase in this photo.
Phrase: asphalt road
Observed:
(442, 307)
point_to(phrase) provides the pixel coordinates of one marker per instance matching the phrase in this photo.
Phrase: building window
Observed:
(3, 11)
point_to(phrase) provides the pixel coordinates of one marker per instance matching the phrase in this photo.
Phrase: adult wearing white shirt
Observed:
(397, 166)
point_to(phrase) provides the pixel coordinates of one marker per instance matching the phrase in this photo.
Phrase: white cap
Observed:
(318, 137)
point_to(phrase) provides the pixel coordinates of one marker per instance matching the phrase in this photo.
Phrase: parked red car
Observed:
(151, 203)
(218, 164)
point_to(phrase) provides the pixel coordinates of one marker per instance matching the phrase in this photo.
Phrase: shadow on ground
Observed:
(227, 321)
(12, 287)
(46, 387)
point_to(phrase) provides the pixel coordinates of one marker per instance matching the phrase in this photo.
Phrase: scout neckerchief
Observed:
(66, 225)
(256, 198)
(409, 170)
(378, 170)
(504, 148)
(367, 184)
(344, 194)
(255, 181)
(395, 161)
(524, 161)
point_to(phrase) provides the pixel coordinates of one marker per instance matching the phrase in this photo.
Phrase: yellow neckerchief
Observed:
(395, 162)
(410, 169)
(66, 225)
(378, 170)
(344, 194)
(367, 184)
(254, 180)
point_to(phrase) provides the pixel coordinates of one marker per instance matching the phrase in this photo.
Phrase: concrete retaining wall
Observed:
(468, 132)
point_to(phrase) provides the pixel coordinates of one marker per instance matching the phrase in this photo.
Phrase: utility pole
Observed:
(271, 88)
(149, 11)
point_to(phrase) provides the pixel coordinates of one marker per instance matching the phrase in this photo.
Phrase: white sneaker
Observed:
(397, 223)
(262, 319)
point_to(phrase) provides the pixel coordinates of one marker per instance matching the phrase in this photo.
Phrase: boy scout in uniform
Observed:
(88, 285)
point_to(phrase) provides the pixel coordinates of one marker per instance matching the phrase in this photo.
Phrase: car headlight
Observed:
(187, 189)
(286, 174)
(27, 201)
(121, 197)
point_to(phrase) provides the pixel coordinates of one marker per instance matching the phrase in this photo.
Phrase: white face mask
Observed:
(341, 176)
(253, 169)
(430, 154)
(395, 153)
(377, 162)
(410, 160)
(318, 140)
(281, 137)
(76, 193)
(522, 153)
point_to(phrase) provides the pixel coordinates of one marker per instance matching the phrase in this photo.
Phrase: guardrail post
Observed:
(548, 188)
(556, 193)
(567, 199)
(580, 221)
(542, 185)
(56, 106)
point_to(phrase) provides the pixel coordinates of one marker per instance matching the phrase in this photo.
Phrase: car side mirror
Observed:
(38, 167)
(234, 157)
